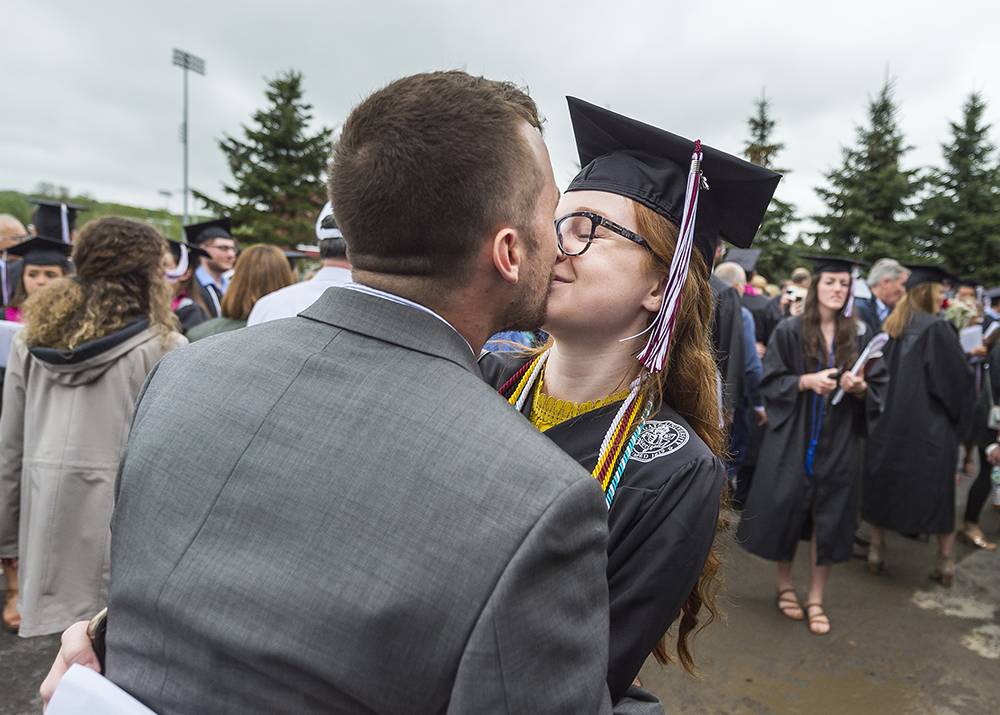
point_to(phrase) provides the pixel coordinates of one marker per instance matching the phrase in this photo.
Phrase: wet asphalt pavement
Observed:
(900, 644)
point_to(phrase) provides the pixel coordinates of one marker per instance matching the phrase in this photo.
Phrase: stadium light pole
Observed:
(186, 61)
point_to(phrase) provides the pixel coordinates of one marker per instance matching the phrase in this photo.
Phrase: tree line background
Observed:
(873, 206)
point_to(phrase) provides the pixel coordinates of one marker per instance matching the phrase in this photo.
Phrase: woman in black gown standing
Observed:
(909, 484)
(806, 483)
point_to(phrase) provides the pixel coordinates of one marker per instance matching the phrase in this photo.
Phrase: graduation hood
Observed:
(90, 360)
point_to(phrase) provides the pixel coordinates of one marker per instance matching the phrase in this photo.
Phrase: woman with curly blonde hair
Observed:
(628, 383)
(72, 379)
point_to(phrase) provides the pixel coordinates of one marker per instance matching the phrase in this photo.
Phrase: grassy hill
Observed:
(16, 203)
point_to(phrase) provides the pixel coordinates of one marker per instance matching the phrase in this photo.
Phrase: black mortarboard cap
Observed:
(651, 166)
(992, 293)
(198, 233)
(175, 249)
(928, 274)
(54, 220)
(833, 264)
(42, 252)
(745, 258)
(968, 282)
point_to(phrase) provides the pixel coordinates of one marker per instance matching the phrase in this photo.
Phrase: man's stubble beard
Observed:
(528, 309)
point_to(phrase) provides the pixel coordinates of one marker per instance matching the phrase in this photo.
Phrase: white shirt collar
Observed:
(368, 290)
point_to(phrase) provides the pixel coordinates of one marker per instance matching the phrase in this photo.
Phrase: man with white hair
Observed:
(886, 280)
(336, 271)
(750, 402)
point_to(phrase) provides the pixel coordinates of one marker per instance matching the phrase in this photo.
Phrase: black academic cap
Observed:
(833, 264)
(42, 252)
(198, 233)
(745, 258)
(175, 249)
(928, 274)
(651, 166)
(968, 283)
(992, 293)
(49, 215)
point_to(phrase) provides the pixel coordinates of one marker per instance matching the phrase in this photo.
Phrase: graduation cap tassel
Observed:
(64, 221)
(654, 355)
(3, 277)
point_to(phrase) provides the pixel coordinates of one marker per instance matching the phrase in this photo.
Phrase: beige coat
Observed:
(64, 422)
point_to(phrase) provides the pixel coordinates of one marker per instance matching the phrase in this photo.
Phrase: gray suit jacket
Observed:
(332, 513)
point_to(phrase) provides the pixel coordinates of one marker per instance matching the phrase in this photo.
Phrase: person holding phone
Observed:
(805, 486)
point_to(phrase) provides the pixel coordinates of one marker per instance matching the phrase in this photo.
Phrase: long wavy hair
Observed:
(845, 335)
(259, 270)
(119, 279)
(919, 299)
(688, 385)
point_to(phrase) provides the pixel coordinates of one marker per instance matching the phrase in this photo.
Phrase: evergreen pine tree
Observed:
(277, 169)
(870, 197)
(778, 256)
(962, 211)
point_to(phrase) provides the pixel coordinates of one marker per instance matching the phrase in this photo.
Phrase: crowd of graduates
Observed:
(835, 405)
(861, 394)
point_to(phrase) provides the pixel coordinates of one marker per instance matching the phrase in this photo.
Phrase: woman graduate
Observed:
(188, 301)
(806, 482)
(909, 483)
(644, 420)
(42, 261)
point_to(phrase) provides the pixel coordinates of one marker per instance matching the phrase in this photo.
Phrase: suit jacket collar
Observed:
(391, 322)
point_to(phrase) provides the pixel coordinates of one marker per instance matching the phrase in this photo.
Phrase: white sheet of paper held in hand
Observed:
(971, 337)
(872, 351)
(83, 692)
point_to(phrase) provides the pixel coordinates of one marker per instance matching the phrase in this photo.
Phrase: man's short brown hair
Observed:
(429, 164)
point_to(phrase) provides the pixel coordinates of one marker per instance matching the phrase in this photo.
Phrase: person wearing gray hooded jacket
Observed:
(72, 378)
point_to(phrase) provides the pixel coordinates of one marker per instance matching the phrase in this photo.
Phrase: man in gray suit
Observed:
(369, 527)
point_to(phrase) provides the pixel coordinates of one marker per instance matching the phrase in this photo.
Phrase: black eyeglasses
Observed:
(575, 232)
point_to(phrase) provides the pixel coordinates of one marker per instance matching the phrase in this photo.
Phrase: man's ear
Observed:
(507, 255)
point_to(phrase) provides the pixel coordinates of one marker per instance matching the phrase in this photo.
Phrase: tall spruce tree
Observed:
(961, 215)
(870, 197)
(778, 256)
(277, 169)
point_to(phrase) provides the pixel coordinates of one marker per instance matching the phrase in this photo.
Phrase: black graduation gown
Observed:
(727, 339)
(190, 314)
(909, 483)
(661, 524)
(766, 316)
(784, 503)
(213, 299)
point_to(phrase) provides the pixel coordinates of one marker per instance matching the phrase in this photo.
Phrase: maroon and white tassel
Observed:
(654, 355)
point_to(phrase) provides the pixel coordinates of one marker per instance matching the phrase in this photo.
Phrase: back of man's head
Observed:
(885, 268)
(428, 168)
(12, 231)
(732, 274)
(333, 249)
(801, 277)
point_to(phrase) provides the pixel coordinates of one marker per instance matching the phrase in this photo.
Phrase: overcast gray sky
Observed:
(90, 99)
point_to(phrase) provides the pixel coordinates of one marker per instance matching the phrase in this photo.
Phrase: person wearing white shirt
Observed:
(336, 271)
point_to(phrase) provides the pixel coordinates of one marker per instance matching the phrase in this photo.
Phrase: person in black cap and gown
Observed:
(214, 238)
(805, 486)
(42, 261)
(627, 383)
(909, 484)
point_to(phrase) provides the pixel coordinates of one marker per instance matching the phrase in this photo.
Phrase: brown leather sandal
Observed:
(786, 603)
(819, 619)
(972, 535)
